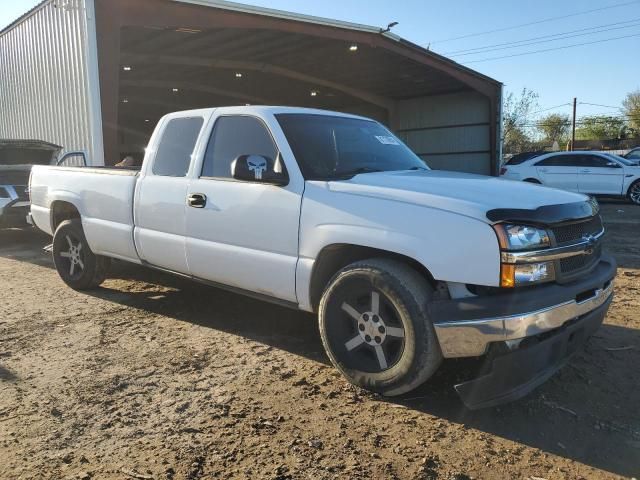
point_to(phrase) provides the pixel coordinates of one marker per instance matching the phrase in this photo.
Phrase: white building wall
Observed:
(48, 78)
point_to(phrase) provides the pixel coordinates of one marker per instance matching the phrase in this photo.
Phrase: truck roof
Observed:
(262, 109)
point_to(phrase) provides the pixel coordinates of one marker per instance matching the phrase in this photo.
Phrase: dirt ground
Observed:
(155, 377)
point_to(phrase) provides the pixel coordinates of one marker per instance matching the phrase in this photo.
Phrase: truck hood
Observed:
(467, 194)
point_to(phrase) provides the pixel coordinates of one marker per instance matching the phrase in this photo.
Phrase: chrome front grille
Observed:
(574, 232)
(570, 268)
(581, 262)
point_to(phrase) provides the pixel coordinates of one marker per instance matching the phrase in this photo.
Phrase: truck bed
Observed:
(104, 196)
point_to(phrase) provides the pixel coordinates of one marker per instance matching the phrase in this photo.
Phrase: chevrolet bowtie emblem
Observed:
(591, 244)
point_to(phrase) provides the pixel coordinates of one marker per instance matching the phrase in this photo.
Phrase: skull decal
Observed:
(257, 165)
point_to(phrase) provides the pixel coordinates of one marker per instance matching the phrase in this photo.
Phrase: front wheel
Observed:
(76, 264)
(634, 192)
(375, 327)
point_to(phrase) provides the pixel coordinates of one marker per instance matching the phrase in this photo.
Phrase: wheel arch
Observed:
(334, 257)
(62, 210)
(631, 185)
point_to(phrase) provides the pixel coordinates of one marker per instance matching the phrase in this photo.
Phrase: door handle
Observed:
(585, 170)
(544, 170)
(197, 200)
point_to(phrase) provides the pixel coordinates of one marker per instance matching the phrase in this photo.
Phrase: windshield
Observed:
(328, 147)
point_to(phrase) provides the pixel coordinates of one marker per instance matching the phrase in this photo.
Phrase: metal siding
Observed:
(468, 162)
(455, 123)
(45, 92)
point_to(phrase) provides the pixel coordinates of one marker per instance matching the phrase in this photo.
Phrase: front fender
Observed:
(453, 247)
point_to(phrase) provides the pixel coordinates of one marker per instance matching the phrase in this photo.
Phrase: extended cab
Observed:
(331, 213)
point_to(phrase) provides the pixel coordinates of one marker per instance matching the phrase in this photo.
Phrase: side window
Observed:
(558, 161)
(234, 136)
(592, 161)
(176, 146)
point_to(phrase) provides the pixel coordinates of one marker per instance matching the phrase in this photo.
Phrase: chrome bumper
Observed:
(471, 338)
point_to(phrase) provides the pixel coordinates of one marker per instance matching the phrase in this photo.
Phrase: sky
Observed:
(598, 73)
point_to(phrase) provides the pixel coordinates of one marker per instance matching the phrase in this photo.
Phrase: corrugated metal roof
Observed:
(270, 12)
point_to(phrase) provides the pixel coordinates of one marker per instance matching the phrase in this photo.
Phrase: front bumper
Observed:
(513, 375)
(466, 327)
(526, 341)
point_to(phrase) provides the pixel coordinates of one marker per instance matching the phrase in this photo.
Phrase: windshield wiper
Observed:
(357, 171)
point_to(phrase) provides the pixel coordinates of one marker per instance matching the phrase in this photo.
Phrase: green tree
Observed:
(599, 127)
(631, 105)
(516, 110)
(554, 127)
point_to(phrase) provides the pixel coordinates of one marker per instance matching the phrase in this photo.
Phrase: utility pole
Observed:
(573, 124)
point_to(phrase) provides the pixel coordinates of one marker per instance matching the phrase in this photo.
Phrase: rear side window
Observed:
(523, 157)
(176, 146)
(234, 136)
(559, 161)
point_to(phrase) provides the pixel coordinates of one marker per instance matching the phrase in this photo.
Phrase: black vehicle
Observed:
(16, 159)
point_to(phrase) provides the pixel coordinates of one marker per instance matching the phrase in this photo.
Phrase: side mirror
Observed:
(259, 169)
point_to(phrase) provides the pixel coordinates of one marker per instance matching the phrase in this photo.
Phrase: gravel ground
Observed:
(154, 377)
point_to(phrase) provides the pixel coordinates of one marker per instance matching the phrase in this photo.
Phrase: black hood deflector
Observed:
(546, 214)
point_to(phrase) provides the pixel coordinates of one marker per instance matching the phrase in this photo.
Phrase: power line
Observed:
(598, 105)
(540, 37)
(550, 108)
(580, 121)
(560, 36)
(552, 49)
(549, 19)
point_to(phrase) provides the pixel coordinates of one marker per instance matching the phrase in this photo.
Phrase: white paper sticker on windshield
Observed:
(387, 140)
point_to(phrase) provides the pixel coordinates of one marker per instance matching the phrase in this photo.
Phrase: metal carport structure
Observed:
(157, 56)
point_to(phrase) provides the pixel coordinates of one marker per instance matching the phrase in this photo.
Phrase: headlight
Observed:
(526, 274)
(518, 238)
(521, 237)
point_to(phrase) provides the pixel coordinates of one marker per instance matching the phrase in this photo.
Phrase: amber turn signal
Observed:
(507, 275)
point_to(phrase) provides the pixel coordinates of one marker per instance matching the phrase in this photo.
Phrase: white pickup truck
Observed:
(331, 213)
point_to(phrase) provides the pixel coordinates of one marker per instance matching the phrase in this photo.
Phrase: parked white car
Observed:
(633, 155)
(593, 173)
(331, 213)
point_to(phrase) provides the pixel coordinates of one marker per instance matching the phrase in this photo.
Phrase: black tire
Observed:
(633, 194)
(76, 264)
(532, 180)
(349, 336)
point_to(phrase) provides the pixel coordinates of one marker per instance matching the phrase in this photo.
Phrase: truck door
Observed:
(159, 204)
(243, 234)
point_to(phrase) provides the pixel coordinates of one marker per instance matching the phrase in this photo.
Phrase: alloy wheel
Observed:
(368, 332)
(74, 256)
(634, 193)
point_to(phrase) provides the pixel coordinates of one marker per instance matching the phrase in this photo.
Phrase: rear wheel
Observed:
(375, 328)
(634, 192)
(76, 264)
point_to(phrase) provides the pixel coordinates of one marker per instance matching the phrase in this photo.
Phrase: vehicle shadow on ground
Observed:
(587, 413)
(7, 375)
(594, 399)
